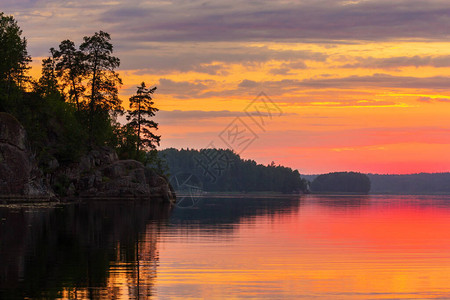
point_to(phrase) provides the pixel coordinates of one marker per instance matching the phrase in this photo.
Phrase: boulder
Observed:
(100, 174)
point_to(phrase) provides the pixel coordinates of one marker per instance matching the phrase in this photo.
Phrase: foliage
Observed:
(47, 85)
(141, 110)
(14, 60)
(225, 171)
(71, 106)
(100, 68)
(70, 71)
(103, 82)
(341, 182)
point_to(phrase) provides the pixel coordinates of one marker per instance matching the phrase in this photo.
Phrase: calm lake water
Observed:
(310, 247)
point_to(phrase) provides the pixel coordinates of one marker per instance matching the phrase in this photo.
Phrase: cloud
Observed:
(380, 80)
(183, 115)
(353, 82)
(431, 99)
(179, 116)
(401, 61)
(287, 68)
(281, 71)
(135, 23)
(241, 20)
(246, 83)
(182, 89)
(208, 58)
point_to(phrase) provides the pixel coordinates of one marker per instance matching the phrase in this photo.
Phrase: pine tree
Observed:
(141, 112)
(102, 83)
(48, 83)
(14, 58)
(100, 68)
(71, 70)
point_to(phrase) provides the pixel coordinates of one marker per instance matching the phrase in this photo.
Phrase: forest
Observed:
(341, 182)
(222, 170)
(413, 184)
(73, 107)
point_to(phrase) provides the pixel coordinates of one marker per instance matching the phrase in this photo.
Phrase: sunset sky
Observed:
(349, 85)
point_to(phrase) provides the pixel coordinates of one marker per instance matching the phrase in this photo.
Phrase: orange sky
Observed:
(344, 123)
(366, 89)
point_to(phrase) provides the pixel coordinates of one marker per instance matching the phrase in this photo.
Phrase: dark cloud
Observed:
(238, 20)
(181, 89)
(248, 84)
(209, 58)
(137, 22)
(281, 71)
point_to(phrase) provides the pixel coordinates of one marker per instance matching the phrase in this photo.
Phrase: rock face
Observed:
(19, 174)
(100, 174)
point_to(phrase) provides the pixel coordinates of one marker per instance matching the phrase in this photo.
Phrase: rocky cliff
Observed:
(98, 174)
(19, 175)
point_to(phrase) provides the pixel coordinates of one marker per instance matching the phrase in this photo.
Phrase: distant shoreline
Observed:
(281, 195)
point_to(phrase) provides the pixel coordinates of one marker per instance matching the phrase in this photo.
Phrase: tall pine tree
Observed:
(102, 82)
(141, 112)
(14, 59)
(71, 70)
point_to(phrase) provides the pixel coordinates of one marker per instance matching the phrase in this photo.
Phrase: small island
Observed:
(341, 182)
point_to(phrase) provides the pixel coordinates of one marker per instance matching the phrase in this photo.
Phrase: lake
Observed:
(310, 247)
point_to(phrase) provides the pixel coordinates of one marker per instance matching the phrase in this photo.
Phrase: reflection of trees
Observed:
(342, 201)
(223, 214)
(99, 250)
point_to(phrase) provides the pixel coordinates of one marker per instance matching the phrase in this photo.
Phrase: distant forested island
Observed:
(421, 183)
(341, 182)
(222, 170)
(412, 184)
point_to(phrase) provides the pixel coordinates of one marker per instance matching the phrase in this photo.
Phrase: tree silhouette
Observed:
(47, 84)
(141, 112)
(342, 182)
(71, 70)
(103, 81)
(14, 57)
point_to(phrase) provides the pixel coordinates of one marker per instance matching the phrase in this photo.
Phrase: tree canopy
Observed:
(14, 59)
(141, 111)
(222, 170)
(73, 106)
(341, 182)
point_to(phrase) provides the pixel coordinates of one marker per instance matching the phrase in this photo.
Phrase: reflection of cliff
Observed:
(80, 250)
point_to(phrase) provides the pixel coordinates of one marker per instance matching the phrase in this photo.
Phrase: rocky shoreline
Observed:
(97, 174)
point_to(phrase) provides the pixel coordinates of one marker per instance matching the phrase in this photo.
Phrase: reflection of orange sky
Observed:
(356, 252)
(402, 134)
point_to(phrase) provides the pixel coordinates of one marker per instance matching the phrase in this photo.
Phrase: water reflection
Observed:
(323, 247)
(105, 250)
(85, 250)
